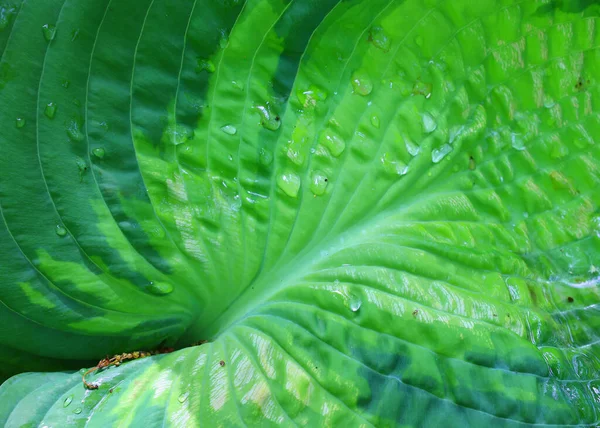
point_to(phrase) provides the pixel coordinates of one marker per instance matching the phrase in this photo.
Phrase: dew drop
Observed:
(238, 84)
(268, 119)
(438, 154)
(74, 131)
(99, 152)
(375, 121)
(177, 134)
(229, 129)
(223, 41)
(50, 110)
(517, 142)
(77, 410)
(332, 142)
(355, 303)
(548, 102)
(60, 230)
(361, 83)
(75, 34)
(412, 148)
(205, 65)
(265, 157)
(289, 183)
(310, 97)
(20, 122)
(82, 166)
(422, 88)
(183, 397)
(318, 182)
(67, 401)
(429, 124)
(65, 83)
(6, 15)
(379, 39)
(295, 155)
(392, 166)
(49, 32)
(159, 288)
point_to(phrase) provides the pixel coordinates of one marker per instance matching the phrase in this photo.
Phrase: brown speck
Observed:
(570, 299)
(415, 312)
(110, 391)
(222, 363)
(494, 315)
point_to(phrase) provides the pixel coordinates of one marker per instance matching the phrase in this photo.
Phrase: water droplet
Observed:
(99, 152)
(516, 141)
(159, 288)
(50, 110)
(310, 97)
(438, 154)
(268, 119)
(60, 230)
(355, 303)
(392, 166)
(295, 154)
(74, 131)
(229, 129)
(77, 410)
(238, 84)
(318, 182)
(375, 121)
(289, 182)
(224, 40)
(412, 148)
(67, 401)
(422, 88)
(183, 397)
(20, 122)
(419, 41)
(177, 134)
(379, 39)
(7, 12)
(361, 83)
(332, 142)
(548, 102)
(205, 65)
(49, 32)
(65, 84)
(429, 124)
(265, 157)
(82, 166)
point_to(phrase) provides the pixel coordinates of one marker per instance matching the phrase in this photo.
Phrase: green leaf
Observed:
(377, 212)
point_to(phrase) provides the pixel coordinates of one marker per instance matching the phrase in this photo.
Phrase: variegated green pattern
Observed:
(378, 213)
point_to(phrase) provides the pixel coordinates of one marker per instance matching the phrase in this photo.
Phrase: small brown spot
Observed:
(570, 299)
(222, 363)
(110, 391)
(415, 312)
(494, 315)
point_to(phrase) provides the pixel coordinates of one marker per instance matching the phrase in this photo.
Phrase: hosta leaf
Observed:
(376, 212)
